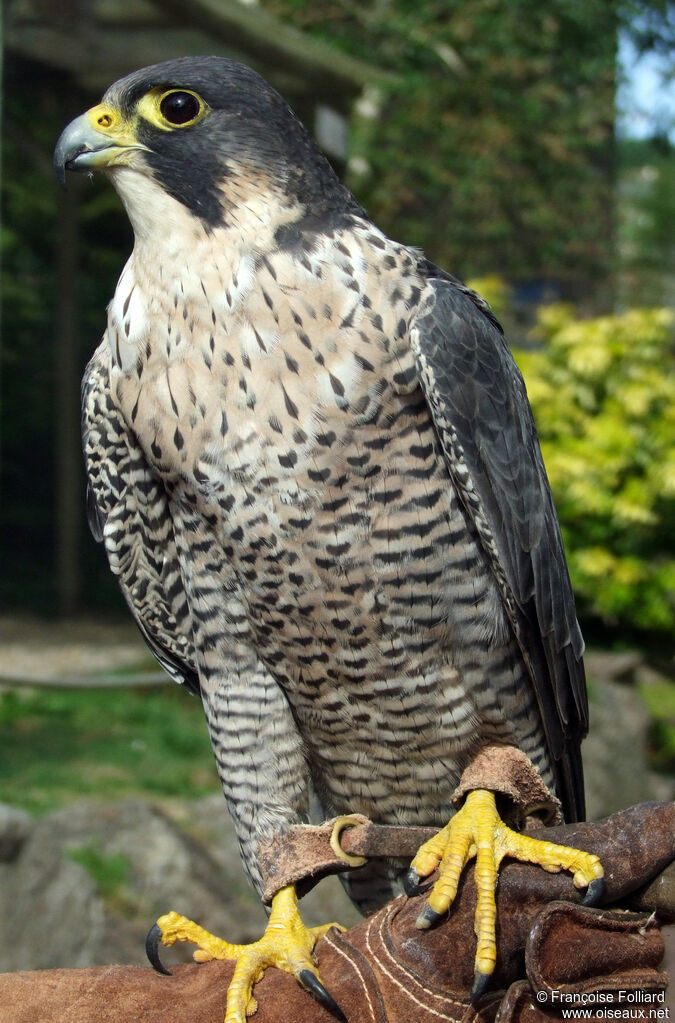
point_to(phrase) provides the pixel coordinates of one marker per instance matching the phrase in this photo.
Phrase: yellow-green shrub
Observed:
(603, 396)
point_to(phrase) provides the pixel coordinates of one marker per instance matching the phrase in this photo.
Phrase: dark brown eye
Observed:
(180, 107)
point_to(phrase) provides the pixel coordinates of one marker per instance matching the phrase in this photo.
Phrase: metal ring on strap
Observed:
(338, 827)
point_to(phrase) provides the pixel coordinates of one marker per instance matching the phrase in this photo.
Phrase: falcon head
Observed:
(206, 133)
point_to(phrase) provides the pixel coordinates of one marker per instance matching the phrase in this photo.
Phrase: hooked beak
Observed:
(96, 139)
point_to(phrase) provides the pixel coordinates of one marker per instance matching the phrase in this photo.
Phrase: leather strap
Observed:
(303, 854)
(509, 772)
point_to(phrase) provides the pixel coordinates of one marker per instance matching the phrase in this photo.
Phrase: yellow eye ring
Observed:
(170, 109)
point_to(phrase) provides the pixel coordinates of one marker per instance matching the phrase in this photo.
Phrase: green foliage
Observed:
(603, 395)
(104, 744)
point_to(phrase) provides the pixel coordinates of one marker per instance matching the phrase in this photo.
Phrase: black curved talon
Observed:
(428, 918)
(412, 885)
(313, 985)
(152, 950)
(594, 892)
(481, 982)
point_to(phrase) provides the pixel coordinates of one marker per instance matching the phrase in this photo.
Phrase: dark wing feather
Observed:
(480, 409)
(128, 510)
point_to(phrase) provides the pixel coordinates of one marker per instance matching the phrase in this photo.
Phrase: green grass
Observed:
(61, 745)
(109, 871)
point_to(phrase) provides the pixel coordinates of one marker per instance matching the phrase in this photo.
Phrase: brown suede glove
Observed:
(552, 955)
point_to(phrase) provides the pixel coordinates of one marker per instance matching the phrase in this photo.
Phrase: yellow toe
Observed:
(478, 831)
(286, 944)
(584, 866)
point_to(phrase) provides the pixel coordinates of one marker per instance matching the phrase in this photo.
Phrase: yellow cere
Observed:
(109, 121)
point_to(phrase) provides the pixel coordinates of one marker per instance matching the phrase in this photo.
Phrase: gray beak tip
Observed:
(76, 142)
(67, 147)
(60, 172)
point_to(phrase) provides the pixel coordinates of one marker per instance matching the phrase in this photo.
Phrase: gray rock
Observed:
(50, 911)
(613, 666)
(615, 752)
(61, 909)
(90, 880)
(15, 827)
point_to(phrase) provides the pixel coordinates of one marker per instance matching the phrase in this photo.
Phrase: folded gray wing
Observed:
(480, 408)
(128, 510)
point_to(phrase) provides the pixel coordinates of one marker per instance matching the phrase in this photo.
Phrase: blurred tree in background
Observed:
(645, 222)
(36, 241)
(496, 147)
(493, 148)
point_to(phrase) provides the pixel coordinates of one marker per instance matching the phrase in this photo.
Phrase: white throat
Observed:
(184, 277)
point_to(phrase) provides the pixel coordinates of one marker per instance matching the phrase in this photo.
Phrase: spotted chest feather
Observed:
(272, 373)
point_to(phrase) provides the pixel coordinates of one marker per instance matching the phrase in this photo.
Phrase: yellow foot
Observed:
(477, 830)
(286, 943)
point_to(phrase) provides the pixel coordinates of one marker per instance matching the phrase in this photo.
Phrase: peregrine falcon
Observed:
(313, 465)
